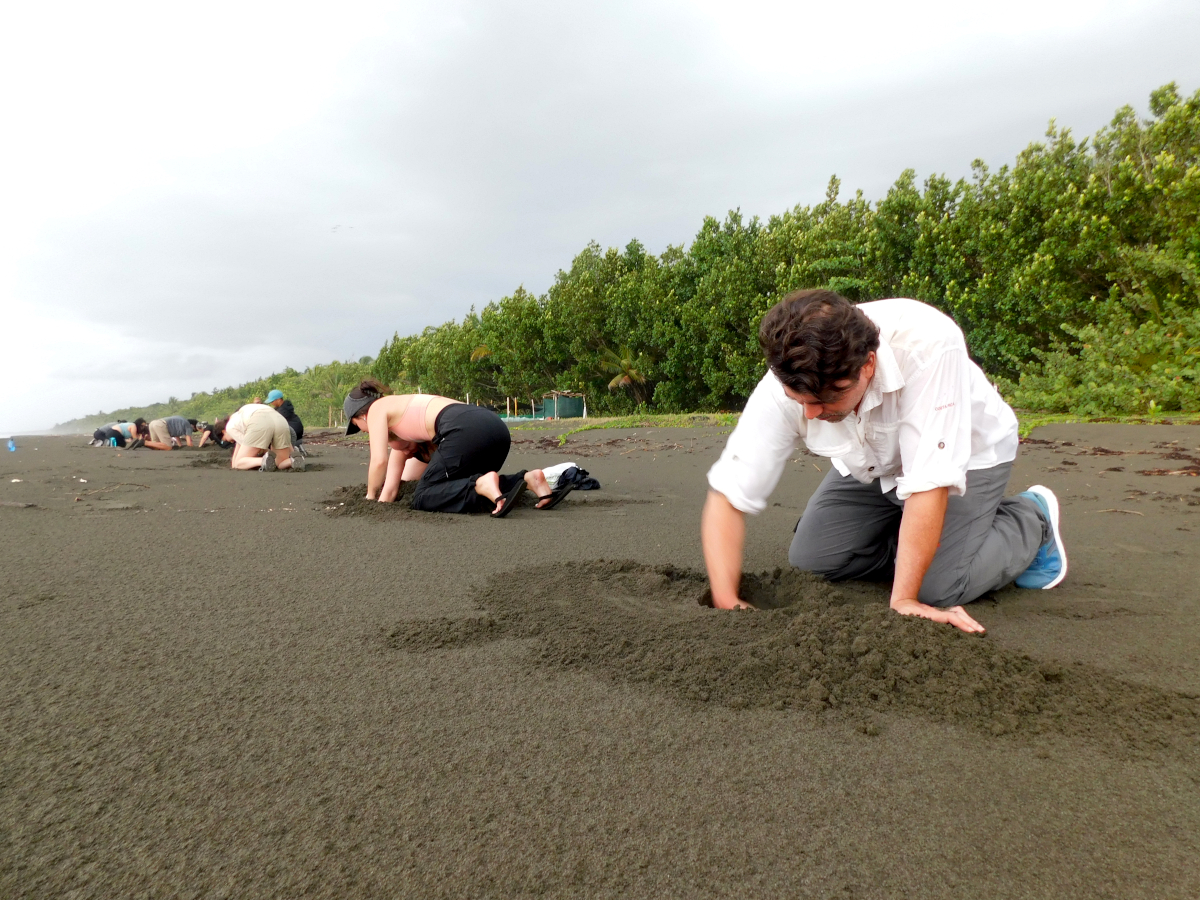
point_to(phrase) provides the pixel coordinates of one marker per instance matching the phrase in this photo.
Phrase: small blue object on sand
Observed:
(1049, 567)
(12, 445)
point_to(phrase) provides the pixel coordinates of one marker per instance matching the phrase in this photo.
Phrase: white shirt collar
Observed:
(887, 378)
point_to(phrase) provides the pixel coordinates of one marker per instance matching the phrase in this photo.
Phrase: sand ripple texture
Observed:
(220, 459)
(822, 649)
(211, 459)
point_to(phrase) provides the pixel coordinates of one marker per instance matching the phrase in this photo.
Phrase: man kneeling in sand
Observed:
(922, 446)
(165, 434)
(256, 429)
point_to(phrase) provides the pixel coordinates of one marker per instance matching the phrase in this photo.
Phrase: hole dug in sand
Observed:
(211, 459)
(821, 649)
(220, 459)
(352, 501)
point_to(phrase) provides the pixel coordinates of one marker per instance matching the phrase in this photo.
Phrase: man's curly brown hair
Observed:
(815, 338)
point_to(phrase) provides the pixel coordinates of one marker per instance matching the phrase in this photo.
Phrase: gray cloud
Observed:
(445, 175)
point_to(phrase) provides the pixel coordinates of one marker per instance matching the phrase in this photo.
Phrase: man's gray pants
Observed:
(850, 530)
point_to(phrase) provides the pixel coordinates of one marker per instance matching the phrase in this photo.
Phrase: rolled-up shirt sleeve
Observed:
(935, 426)
(749, 468)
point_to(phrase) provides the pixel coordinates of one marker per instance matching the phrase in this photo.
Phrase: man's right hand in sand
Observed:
(723, 534)
(952, 615)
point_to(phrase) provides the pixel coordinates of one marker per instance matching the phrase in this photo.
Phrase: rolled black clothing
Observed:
(579, 479)
(468, 441)
(105, 434)
(289, 412)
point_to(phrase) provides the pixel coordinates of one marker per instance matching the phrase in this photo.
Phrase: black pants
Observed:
(469, 441)
(104, 434)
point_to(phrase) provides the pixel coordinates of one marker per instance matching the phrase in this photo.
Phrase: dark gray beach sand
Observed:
(234, 684)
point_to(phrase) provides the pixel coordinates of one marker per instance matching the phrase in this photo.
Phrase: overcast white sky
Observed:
(193, 196)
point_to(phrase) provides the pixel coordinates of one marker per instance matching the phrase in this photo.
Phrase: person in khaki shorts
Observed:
(165, 434)
(256, 429)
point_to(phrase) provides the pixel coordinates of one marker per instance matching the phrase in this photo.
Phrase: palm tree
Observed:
(332, 383)
(623, 365)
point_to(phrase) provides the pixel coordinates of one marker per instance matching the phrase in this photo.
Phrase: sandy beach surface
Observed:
(231, 684)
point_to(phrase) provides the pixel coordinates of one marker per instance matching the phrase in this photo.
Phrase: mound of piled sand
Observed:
(813, 646)
(351, 501)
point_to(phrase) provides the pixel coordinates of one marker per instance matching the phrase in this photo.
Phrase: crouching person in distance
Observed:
(165, 434)
(922, 446)
(120, 434)
(453, 450)
(214, 433)
(276, 401)
(256, 429)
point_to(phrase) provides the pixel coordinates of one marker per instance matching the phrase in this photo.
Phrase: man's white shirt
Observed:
(928, 417)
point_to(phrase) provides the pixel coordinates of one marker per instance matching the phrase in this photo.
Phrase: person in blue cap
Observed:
(276, 401)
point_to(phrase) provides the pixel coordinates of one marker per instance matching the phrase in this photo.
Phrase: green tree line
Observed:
(316, 393)
(1075, 274)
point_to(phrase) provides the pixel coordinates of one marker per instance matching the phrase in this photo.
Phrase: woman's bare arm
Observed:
(395, 468)
(414, 469)
(377, 425)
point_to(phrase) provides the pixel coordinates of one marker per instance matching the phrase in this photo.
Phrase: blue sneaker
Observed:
(1049, 567)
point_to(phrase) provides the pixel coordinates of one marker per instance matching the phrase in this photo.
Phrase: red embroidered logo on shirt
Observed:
(943, 406)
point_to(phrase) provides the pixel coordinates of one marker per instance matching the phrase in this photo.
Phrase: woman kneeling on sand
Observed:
(255, 429)
(454, 449)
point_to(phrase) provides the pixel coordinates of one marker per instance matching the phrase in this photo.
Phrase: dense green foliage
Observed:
(316, 393)
(1075, 275)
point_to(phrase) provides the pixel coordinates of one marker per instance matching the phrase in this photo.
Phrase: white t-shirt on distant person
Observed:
(928, 417)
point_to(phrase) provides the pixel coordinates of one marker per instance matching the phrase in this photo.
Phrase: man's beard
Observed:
(833, 418)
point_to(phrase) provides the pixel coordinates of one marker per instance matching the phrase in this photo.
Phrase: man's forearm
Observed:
(723, 536)
(920, 534)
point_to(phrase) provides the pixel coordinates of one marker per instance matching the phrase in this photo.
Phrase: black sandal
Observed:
(555, 497)
(510, 500)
